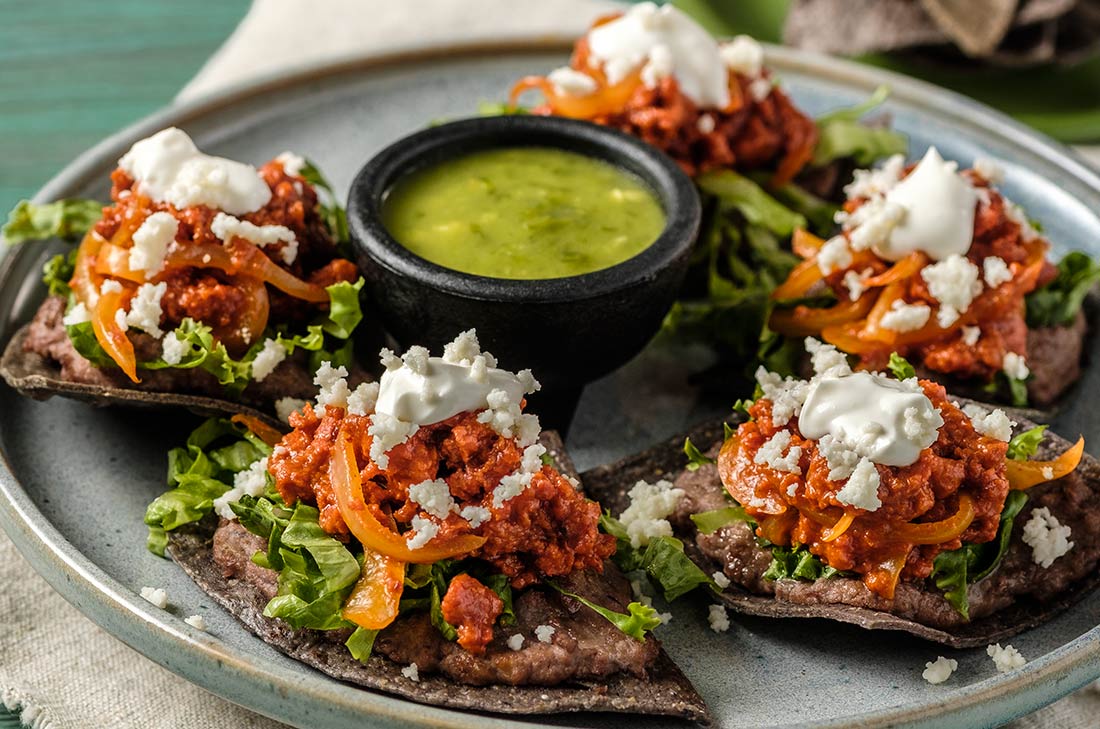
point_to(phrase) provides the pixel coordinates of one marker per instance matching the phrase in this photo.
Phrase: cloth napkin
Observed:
(59, 669)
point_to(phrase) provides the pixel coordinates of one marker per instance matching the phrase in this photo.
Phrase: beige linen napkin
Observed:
(55, 664)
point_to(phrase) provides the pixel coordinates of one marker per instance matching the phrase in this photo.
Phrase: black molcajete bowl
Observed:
(569, 331)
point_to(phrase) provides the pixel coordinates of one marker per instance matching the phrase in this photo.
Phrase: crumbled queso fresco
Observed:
(1047, 537)
(939, 670)
(1005, 659)
(647, 515)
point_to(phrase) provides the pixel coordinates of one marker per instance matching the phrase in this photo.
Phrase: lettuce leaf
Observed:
(842, 136)
(360, 643)
(751, 201)
(708, 522)
(695, 457)
(1057, 303)
(639, 620)
(1024, 445)
(344, 309)
(899, 367)
(198, 473)
(797, 563)
(953, 572)
(68, 219)
(663, 560)
(58, 271)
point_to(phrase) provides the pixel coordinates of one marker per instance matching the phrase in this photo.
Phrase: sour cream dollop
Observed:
(664, 41)
(886, 421)
(422, 389)
(168, 167)
(939, 206)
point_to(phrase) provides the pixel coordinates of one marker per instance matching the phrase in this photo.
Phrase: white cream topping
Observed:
(663, 41)
(168, 167)
(939, 211)
(891, 422)
(425, 390)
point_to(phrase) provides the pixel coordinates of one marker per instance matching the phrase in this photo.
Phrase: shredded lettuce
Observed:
(1057, 303)
(68, 219)
(344, 309)
(360, 643)
(663, 561)
(899, 367)
(953, 572)
(842, 136)
(198, 473)
(639, 620)
(58, 271)
(708, 522)
(695, 457)
(797, 563)
(1024, 445)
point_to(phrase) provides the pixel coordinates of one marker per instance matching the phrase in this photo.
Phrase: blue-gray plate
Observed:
(75, 480)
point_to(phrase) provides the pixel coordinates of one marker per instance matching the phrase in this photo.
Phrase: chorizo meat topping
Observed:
(873, 475)
(438, 463)
(164, 250)
(955, 312)
(759, 127)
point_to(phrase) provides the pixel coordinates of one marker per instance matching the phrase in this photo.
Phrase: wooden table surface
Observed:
(74, 71)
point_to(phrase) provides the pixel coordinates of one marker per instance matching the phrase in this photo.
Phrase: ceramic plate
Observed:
(75, 480)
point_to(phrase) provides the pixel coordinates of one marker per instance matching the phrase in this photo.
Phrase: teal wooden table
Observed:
(74, 71)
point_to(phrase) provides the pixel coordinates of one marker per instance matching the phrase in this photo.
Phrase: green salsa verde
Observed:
(523, 213)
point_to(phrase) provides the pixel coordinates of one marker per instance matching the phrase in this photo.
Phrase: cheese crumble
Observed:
(423, 531)
(286, 406)
(771, 453)
(434, 497)
(993, 424)
(411, 672)
(1015, 367)
(1047, 537)
(145, 311)
(151, 241)
(939, 670)
(1005, 659)
(650, 507)
(954, 283)
(995, 272)
(267, 359)
(196, 621)
(904, 317)
(718, 618)
(516, 641)
(545, 633)
(155, 596)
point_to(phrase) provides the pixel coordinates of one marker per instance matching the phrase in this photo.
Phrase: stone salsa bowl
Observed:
(568, 330)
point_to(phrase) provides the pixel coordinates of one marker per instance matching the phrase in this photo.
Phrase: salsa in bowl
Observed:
(575, 328)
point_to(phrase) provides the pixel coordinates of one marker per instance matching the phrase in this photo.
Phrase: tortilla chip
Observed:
(664, 692)
(1019, 595)
(36, 377)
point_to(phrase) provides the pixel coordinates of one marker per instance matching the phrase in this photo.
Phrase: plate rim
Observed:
(118, 610)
